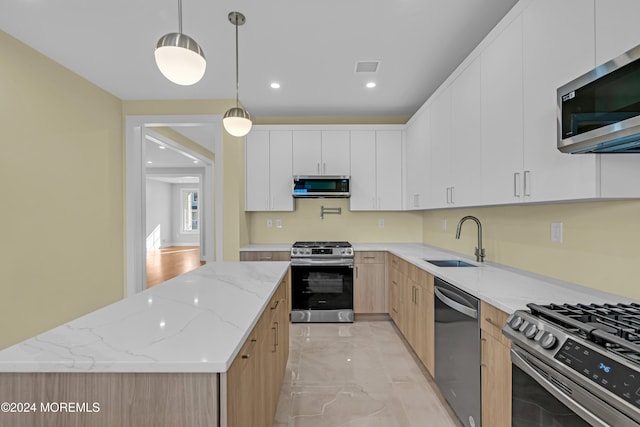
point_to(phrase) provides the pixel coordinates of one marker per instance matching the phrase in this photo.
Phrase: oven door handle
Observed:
(556, 392)
(339, 262)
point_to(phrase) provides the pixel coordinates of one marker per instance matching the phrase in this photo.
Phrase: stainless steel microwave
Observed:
(321, 186)
(599, 112)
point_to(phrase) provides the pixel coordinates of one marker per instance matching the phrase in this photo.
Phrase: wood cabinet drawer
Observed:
(265, 256)
(369, 257)
(492, 320)
(398, 263)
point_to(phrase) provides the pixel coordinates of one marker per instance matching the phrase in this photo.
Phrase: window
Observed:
(190, 217)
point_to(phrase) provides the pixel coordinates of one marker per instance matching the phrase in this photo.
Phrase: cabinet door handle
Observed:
(265, 258)
(492, 323)
(324, 168)
(516, 184)
(275, 337)
(248, 354)
(452, 201)
(276, 305)
(447, 195)
(527, 183)
(356, 271)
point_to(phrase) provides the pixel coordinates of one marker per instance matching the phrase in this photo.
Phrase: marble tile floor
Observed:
(357, 375)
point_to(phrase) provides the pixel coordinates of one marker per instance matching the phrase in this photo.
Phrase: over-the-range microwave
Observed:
(599, 112)
(321, 186)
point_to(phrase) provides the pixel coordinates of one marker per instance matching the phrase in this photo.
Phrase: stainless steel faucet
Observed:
(479, 249)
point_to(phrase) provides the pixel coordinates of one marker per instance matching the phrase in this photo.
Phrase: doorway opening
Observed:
(174, 196)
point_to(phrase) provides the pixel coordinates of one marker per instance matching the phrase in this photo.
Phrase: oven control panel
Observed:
(615, 377)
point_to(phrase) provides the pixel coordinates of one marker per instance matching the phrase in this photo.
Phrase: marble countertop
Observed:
(505, 288)
(196, 322)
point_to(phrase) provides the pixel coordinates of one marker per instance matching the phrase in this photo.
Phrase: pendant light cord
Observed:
(237, 81)
(180, 16)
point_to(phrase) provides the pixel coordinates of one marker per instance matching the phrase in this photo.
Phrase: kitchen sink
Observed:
(449, 263)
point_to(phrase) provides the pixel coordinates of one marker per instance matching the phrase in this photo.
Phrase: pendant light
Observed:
(178, 56)
(237, 120)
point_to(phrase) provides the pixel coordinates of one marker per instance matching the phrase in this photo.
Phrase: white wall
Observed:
(158, 206)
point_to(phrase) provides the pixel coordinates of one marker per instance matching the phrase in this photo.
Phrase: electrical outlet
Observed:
(269, 223)
(444, 224)
(381, 223)
(278, 223)
(556, 232)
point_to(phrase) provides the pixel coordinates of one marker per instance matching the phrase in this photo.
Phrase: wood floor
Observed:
(170, 262)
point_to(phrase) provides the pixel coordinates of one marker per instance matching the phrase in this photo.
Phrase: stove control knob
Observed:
(548, 341)
(294, 251)
(516, 322)
(530, 331)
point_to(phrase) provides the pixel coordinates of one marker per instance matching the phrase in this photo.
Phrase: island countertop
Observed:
(196, 322)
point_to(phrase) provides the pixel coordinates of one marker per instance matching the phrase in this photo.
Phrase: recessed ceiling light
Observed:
(149, 162)
(162, 147)
(371, 85)
(275, 85)
(195, 161)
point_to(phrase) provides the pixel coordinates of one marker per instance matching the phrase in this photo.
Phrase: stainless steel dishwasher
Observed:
(457, 351)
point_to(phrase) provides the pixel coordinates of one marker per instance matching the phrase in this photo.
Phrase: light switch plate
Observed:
(278, 223)
(381, 223)
(556, 232)
(269, 223)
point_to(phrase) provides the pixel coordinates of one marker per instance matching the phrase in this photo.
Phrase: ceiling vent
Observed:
(367, 66)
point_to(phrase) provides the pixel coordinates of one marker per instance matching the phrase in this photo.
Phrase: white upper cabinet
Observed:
(268, 173)
(335, 152)
(280, 171)
(558, 47)
(317, 152)
(466, 140)
(257, 171)
(376, 170)
(501, 86)
(440, 157)
(363, 170)
(389, 169)
(417, 163)
(617, 28)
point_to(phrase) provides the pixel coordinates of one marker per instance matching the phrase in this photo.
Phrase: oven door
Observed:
(543, 397)
(322, 284)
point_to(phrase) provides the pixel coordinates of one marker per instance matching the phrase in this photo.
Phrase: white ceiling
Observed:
(311, 48)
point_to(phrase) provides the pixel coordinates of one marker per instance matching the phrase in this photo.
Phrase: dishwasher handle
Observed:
(459, 307)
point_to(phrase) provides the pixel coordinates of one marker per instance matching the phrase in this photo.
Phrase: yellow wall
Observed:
(61, 211)
(305, 224)
(599, 249)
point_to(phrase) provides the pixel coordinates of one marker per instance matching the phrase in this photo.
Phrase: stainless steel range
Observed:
(322, 282)
(575, 365)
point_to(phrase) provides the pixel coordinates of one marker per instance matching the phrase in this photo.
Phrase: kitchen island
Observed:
(179, 353)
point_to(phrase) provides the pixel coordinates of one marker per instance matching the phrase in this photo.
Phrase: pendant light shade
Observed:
(178, 56)
(237, 120)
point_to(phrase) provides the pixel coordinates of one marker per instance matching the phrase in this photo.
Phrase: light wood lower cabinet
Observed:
(369, 290)
(496, 368)
(265, 256)
(255, 377)
(411, 307)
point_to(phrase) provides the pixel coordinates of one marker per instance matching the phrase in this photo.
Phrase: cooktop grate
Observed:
(615, 327)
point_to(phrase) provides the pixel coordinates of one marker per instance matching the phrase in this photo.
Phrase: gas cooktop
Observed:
(614, 327)
(596, 346)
